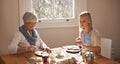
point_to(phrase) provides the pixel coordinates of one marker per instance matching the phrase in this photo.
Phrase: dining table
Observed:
(59, 55)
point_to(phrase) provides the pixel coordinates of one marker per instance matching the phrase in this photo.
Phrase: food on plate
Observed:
(73, 50)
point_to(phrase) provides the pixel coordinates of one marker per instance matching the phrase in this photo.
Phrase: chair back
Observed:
(106, 47)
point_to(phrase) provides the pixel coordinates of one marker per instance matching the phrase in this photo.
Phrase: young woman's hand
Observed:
(78, 41)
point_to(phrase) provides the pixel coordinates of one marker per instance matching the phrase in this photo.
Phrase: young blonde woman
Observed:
(89, 37)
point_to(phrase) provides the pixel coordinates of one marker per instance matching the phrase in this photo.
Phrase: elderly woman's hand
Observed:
(32, 48)
(48, 50)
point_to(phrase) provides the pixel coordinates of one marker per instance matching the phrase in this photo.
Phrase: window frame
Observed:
(80, 5)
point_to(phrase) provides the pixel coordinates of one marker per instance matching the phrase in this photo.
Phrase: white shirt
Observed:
(20, 40)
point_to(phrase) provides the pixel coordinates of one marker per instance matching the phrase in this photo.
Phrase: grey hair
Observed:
(29, 16)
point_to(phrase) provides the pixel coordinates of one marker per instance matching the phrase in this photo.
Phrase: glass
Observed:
(83, 55)
(35, 60)
(58, 52)
(39, 60)
(52, 58)
(45, 58)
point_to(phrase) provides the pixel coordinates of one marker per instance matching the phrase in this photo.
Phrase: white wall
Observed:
(59, 36)
(8, 22)
(105, 18)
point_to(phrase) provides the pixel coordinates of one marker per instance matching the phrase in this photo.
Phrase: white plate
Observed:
(73, 50)
(41, 53)
(70, 46)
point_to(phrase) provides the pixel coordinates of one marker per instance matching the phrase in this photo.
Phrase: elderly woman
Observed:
(89, 37)
(27, 38)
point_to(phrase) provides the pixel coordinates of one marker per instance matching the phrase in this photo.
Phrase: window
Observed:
(53, 9)
(53, 13)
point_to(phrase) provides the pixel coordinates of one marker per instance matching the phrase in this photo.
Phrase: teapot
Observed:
(88, 57)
